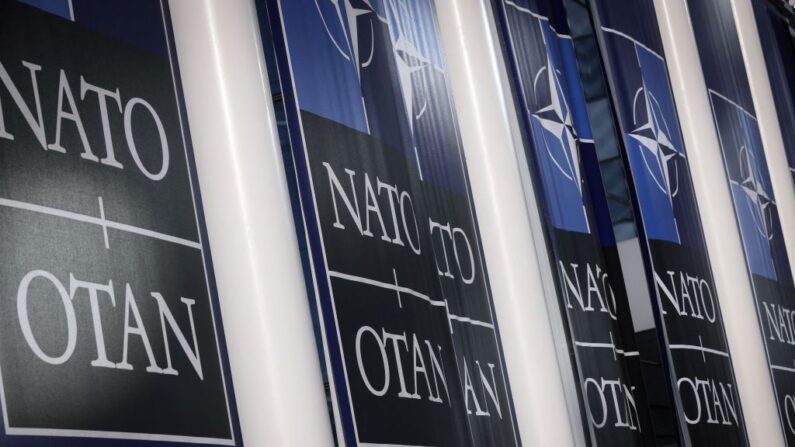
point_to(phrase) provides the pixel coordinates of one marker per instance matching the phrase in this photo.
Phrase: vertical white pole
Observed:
(511, 250)
(766, 114)
(733, 285)
(266, 314)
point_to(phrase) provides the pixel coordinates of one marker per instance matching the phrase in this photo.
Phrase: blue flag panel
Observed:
(688, 311)
(564, 163)
(62, 8)
(409, 331)
(754, 202)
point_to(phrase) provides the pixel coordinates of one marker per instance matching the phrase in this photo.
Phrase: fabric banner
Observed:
(409, 330)
(110, 328)
(604, 225)
(752, 193)
(687, 306)
(778, 44)
(561, 151)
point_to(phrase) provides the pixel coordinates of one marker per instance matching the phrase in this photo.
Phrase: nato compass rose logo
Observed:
(560, 141)
(341, 22)
(654, 147)
(556, 119)
(347, 22)
(758, 200)
(659, 151)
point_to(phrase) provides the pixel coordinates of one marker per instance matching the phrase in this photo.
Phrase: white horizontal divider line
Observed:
(370, 444)
(782, 368)
(584, 344)
(385, 285)
(405, 290)
(611, 346)
(99, 221)
(470, 321)
(738, 106)
(699, 348)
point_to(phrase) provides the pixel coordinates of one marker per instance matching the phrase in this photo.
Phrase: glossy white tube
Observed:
(266, 314)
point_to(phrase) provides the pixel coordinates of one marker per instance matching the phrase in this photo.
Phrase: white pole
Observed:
(512, 252)
(775, 152)
(266, 315)
(733, 284)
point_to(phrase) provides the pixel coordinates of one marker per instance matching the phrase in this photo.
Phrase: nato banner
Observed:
(109, 324)
(408, 325)
(553, 110)
(752, 193)
(687, 307)
(778, 43)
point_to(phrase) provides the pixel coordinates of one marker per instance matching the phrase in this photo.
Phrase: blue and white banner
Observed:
(409, 331)
(110, 327)
(752, 193)
(687, 306)
(560, 146)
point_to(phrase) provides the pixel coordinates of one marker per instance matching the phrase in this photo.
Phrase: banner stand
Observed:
(539, 369)
(722, 236)
(272, 351)
(764, 104)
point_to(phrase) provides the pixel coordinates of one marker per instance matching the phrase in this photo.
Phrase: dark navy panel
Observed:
(563, 161)
(755, 205)
(111, 332)
(410, 336)
(137, 23)
(779, 49)
(677, 263)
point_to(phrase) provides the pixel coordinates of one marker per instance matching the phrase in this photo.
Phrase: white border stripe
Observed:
(633, 40)
(538, 16)
(750, 115)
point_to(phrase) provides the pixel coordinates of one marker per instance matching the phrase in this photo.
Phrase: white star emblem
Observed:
(556, 119)
(658, 150)
(754, 190)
